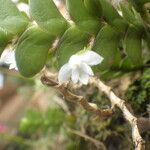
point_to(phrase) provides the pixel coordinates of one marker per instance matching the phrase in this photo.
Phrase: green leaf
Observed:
(110, 74)
(106, 44)
(93, 7)
(131, 15)
(139, 3)
(133, 47)
(32, 51)
(127, 12)
(126, 64)
(3, 39)
(48, 16)
(71, 42)
(108, 10)
(12, 22)
(112, 16)
(147, 39)
(81, 16)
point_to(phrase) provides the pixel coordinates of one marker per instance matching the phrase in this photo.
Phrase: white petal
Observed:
(12, 66)
(87, 69)
(57, 3)
(74, 60)
(75, 75)
(84, 78)
(3, 55)
(91, 58)
(64, 73)
(1, 80)
(16, 68)
(9, 57)
(15, 1)
(23, 7)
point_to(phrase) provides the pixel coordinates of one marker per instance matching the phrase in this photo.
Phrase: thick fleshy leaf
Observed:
(131, 15)
(48, 16)
(106, 44)
(12, 22)
(32, 51)
(108, 10)
(81, 16)
(111, 15)
(71, 42)
(126, 64)
(133, 46)
(3, 39)
(93, 7)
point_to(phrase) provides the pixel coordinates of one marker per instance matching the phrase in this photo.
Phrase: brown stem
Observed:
(116, 101)
(68, 95)
(51, 80)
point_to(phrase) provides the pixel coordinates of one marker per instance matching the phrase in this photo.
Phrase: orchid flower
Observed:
(8, 57)
(24, 8)
(1, 80)
(78, 68)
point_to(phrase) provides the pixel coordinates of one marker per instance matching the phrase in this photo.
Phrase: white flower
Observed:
(57, 3)
(1, 80)
(8, 57)
(24, 7)
(15, 1)
(78, 67)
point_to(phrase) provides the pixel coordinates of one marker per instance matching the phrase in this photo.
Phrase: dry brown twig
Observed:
(120, 103)
(51, 80)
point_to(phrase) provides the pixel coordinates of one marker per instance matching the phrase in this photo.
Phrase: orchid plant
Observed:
(35, 32)
(116, 36)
